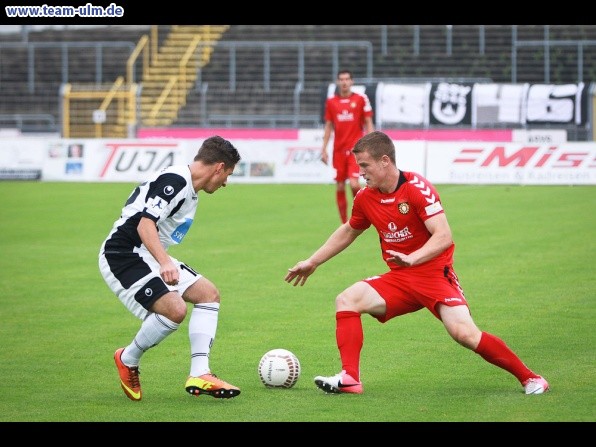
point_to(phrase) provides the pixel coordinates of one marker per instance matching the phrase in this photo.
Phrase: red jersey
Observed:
(347, 116)
(399, 217)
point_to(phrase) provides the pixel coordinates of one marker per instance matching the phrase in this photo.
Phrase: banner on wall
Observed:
(450, 104)
(19, 161)
(402, 104)
(499, 103)
(556, 104)
(490, 163)
(445, 104)
(110, 160)
(298, 160)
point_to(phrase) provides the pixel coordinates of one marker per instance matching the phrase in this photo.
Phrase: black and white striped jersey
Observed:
(168, 199)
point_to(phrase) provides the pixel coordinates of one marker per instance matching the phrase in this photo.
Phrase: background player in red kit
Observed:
(349, 116)
(416, 243)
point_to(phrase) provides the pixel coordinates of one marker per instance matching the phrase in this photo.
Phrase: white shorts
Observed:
(134, 278)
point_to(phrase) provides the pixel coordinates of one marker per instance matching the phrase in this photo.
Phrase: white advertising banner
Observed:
(297, 160)
(494, 163)
(22, 158)
(111, 160)
(499, 103)
(263, 161)
(402, 104)
(300, 162)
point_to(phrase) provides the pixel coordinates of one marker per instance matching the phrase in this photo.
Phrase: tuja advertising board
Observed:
(296, 159)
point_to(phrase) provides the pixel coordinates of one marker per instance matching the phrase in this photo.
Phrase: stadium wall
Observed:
(294, 157)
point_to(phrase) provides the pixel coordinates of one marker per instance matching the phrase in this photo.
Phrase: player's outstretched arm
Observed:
(338, 241)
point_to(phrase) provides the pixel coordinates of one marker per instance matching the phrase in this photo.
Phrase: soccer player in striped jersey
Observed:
(156, 287)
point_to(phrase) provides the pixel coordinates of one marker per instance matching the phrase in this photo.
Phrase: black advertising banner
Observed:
(450, 104)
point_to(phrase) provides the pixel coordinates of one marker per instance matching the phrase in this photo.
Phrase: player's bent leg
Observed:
(460, 326)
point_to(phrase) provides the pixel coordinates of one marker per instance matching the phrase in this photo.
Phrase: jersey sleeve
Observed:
(328, 110)
(367, 109)
(163, 196)
(358, 219)
(425, 197)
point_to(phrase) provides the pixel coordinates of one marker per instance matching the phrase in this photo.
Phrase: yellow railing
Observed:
(90, 109)
(142, 47)
(177, 85)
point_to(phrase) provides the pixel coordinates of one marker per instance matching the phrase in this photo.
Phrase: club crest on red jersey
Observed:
(403, 207)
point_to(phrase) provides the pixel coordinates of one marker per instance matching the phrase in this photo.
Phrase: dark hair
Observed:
(376, 144)
(216, 150)
(348, 72)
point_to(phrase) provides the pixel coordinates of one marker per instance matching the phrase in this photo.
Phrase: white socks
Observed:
(201, 331)
(153, 330)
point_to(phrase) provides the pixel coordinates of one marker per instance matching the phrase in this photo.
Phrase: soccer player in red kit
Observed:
(416, 243)
(349, 116)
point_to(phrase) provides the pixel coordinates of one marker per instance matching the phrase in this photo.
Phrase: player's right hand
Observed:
(324, 156)
(169, 273)
(300, 273)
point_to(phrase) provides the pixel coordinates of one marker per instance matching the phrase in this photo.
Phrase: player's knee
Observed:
(203, 291)
(210, 295)
(342, 302)
(177, 313)
(466, 335)
(347, 300)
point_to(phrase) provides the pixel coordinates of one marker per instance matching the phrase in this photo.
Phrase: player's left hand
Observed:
(399, 258)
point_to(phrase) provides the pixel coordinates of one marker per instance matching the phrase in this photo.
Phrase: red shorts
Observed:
(410, 289)
(345, 165)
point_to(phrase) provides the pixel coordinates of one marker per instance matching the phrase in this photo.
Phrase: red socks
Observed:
(342, 205)
(350, 338)
(495, 351)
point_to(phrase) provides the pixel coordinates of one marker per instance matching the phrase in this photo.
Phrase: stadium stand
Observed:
(263, 75)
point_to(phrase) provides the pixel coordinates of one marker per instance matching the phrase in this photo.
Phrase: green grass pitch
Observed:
(525, 255)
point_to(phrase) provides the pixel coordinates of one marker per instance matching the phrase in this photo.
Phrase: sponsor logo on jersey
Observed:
(395, 235)
(345, 116)
(181, 231)
(156, 206)
(391, 200)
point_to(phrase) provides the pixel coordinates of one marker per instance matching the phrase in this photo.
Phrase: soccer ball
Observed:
(279, 368)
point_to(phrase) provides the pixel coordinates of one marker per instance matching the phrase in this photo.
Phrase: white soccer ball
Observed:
(279, 368)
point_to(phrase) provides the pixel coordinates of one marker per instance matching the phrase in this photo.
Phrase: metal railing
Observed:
(294, 121)
(30, 122)
(547, 45)
(99, 48)
(300, 46)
